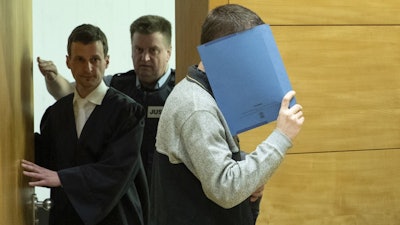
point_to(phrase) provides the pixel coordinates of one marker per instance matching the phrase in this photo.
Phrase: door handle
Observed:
(36, 204)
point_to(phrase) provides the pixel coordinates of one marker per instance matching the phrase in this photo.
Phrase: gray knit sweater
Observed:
(193, 131)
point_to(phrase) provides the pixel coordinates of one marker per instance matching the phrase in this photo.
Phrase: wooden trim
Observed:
(16, 97)
(189, 16)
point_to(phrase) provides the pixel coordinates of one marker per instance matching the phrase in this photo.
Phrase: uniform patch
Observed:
(154, 111)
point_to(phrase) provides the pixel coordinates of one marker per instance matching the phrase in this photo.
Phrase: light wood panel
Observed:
(334, 188)
(326, 12)
(16, 126)
(348, 80)
(189, 15)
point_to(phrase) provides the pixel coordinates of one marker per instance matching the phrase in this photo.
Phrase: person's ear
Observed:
(169, 52)
(67, 61)
(107, 59)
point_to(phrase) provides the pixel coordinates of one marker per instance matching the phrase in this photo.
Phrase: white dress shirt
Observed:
(83, 107)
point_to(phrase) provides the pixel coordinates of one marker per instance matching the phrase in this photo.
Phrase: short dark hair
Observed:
(87, 33)
(149, 24)
(228, 19)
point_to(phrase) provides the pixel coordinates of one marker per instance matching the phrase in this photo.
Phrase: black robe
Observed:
(101, 172)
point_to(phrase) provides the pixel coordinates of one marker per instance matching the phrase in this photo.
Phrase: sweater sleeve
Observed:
(207, 154)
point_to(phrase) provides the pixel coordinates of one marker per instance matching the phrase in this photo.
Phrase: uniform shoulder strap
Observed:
(200, 78)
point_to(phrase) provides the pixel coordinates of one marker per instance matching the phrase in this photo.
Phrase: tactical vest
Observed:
(153, 101)
(176, 208)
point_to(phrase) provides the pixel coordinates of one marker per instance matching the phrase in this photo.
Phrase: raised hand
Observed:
(290, 120)
(47, 68)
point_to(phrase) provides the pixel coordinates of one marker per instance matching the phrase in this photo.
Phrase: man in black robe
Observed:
(89, 153)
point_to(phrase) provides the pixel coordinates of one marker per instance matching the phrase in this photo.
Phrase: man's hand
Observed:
(291, 119)
(257, 194)
(47, 68)
(40, 176)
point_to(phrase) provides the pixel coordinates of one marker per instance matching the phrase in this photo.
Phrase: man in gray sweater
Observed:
(198, 176)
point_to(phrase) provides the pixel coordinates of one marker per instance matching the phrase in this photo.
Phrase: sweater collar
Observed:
(199, 77)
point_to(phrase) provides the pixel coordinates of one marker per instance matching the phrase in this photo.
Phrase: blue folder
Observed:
(247, 77)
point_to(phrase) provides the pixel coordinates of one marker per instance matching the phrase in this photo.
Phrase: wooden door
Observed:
(189, 15)
(16, 114)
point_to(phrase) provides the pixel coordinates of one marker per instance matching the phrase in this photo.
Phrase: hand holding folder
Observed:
(247, 77)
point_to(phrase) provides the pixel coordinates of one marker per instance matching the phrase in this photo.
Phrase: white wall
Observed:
(53, 21)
